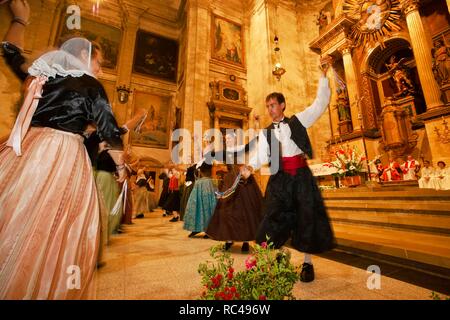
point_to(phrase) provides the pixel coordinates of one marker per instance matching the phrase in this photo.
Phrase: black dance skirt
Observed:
(293, 208)
(163, 197)
(238, 216)
(184, 199)
(173, 201)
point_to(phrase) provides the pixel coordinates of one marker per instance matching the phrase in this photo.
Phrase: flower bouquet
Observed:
(349, 164)
(268, 275)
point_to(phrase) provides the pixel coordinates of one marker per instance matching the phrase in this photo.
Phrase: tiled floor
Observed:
(154, 259)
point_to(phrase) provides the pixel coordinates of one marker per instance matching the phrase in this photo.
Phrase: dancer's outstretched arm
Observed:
(14, 40)
(310, 115)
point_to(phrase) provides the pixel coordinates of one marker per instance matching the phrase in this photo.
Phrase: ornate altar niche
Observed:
(361, 48)
(228, 106)
(228, 110)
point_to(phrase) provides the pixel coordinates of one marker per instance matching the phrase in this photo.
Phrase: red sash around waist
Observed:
(291, 164)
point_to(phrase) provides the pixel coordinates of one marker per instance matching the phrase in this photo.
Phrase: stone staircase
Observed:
(403, 225)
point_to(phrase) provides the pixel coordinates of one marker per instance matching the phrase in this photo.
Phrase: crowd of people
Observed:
(427, 176)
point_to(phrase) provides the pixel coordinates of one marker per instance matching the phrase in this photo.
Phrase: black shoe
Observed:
(307, 273)
(174, 219)
(193, 233)
(245, 247)
(227, 246)
(140, 216)
(205, 236)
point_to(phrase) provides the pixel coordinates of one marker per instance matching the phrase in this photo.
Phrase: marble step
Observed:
(412, 221)
(432, 249)
(391, 205)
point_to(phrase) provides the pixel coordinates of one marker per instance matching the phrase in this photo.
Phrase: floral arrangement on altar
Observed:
(349, 162)
(268, 275)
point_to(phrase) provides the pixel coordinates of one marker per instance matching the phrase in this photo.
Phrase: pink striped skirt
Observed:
(49, 218)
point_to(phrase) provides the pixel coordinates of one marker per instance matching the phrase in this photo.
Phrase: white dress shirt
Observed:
(282, 130)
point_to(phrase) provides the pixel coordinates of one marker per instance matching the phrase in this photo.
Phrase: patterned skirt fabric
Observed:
(200, 206)
(49, 218)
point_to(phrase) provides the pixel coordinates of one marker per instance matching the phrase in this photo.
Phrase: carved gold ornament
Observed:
(374, 19)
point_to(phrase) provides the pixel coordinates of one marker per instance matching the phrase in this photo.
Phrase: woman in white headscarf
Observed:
(49, 208)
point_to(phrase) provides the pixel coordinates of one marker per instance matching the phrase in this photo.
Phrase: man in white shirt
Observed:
(293, 205)
(426, 173)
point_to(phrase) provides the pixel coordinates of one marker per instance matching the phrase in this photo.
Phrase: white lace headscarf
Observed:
(65, 61)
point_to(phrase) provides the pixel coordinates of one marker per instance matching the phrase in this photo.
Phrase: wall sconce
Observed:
(123, 93)
(443, 137)
(278, 70)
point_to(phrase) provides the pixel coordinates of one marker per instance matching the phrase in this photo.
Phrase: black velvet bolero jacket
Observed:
(70, 103)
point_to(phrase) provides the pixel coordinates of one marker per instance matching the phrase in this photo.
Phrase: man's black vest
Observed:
(298, 134)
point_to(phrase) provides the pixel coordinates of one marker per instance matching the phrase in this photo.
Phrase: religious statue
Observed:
(441, 62)
(322, 20)
(399, 72)
(343, 105)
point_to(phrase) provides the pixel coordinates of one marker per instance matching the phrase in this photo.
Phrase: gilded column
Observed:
(422, 54)
(369, 112)
(334, 117)
(351, 80)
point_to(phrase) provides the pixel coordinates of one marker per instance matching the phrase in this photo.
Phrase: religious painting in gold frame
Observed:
(156, 56)
(155, 130)
(109, 38)
(227, 41)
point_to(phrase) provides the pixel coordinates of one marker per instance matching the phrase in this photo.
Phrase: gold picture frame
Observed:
(155, 130)
(227, 41)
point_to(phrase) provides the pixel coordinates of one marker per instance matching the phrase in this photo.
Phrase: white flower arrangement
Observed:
(349, 162)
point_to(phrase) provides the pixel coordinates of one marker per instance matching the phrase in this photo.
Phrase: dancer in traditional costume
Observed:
(237, 216)
(164, 176)
(202, 201)
(293, 206)
(172, 205)
(53, 231)
(187, 189)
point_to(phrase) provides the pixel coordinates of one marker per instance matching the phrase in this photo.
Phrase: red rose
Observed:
(250, 262)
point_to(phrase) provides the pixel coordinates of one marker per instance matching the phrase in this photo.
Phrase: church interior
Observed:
(381, 149)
